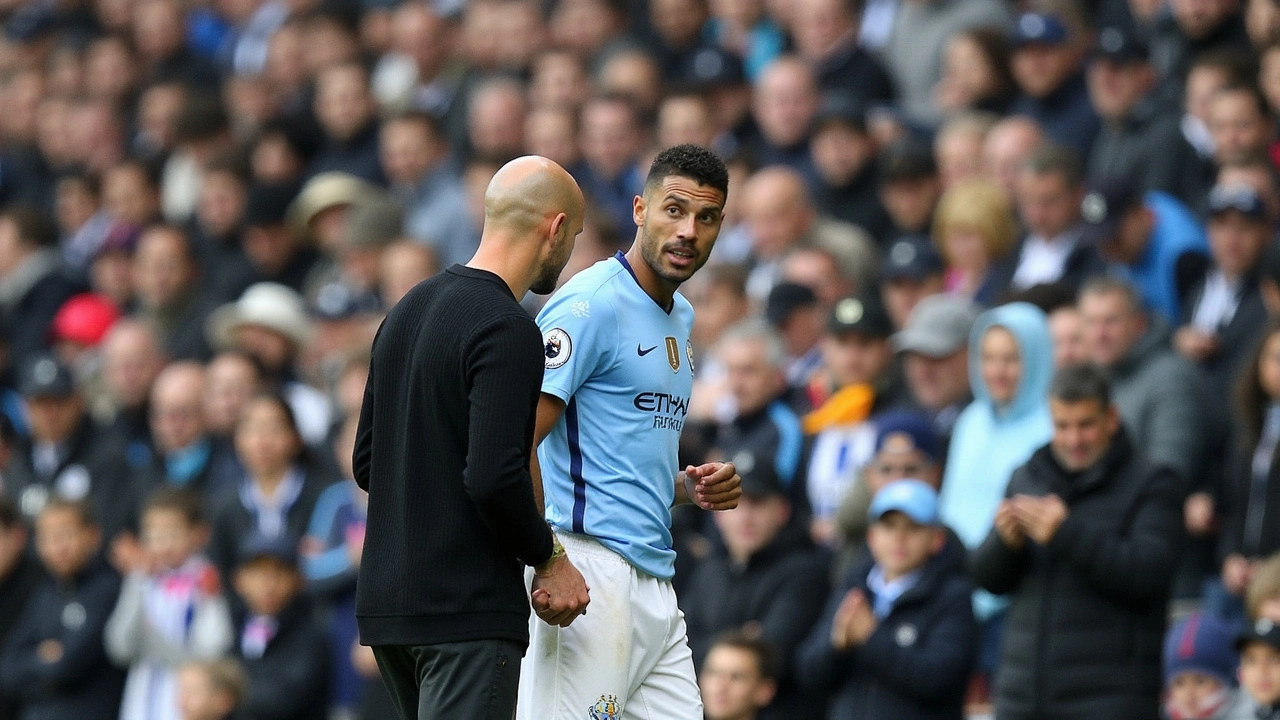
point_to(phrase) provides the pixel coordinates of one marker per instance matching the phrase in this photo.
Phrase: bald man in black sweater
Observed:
(443, 447)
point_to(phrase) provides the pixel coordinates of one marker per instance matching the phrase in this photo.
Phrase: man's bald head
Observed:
(533, 199)
(177, 403)
(528, 191)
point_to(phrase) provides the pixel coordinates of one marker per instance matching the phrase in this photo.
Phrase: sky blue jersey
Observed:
(623, 367)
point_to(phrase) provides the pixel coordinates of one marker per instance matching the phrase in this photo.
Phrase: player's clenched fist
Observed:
(559, 593)
(713, 486)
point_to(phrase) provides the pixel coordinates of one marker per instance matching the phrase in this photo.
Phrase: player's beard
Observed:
(549, 273)
(652, 250)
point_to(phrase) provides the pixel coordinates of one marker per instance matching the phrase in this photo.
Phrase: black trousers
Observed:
(475, 680)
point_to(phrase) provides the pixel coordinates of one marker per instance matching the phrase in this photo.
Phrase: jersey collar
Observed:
(622, 258)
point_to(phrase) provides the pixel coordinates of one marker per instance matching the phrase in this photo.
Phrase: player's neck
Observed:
(662, 291)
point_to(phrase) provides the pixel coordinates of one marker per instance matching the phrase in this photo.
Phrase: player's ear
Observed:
(638, 206)
(553, 231)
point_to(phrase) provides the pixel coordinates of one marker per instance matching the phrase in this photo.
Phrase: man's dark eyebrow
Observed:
(683, 201)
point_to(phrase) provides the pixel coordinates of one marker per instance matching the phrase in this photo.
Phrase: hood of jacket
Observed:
(1030, 330)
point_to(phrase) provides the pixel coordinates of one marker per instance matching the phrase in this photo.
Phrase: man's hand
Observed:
(559, 593)
(1198, 514)
(854, 621)
(1040, 517)
(1007, 526)
(1195, 344)
(712, 486)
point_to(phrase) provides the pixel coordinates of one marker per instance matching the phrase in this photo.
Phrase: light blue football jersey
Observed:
(623, 367)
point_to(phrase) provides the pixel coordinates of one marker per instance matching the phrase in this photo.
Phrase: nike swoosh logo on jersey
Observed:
(642, 353)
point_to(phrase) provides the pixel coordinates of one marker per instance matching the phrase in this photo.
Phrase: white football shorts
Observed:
(627, 657)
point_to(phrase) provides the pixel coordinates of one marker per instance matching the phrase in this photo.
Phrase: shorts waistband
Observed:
(575, 544)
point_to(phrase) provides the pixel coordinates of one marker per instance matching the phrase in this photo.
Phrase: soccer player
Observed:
(614, 398)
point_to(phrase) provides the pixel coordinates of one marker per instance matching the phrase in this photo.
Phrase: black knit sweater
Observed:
(443, 448)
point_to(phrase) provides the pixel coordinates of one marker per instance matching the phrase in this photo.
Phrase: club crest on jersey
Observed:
(607, 708)
(673, 354)
(557, 346)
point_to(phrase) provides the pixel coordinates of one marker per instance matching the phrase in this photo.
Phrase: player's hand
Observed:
(559, 593)
(713, 486)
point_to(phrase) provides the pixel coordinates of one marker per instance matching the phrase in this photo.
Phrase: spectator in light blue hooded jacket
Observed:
(1010, 366)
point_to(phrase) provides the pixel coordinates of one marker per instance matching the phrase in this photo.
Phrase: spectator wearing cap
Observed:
(1084, 544)
(1048, 192)
(1047, 60)
(800, 320)
(910, 186)
(78, 328)
(761, 422)
(1150, 239)
(913, 51)
(415, 153)
(67, 454)
(844, 157)
(34, 286)
(1200, 671)
(1259, 648)
(1139, 123)
(763, 575)
(912, 271)
(166, 278)
(780, 216)
(284, 652)
(906, 448)
(897, 637)
(345, 111)
(270, 323)
(1010, 365)
(719, 76)
(858, 378)
(934, 347)
(826, 35)
(1223, 308)
(274, 250)
(785, 101)
(975, 231)
(370, 228)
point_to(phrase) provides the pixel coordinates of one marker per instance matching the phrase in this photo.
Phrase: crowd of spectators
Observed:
(990, 332)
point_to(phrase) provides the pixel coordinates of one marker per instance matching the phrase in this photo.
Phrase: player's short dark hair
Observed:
(79, 508)
(766, 657)
(689, 161)
(1081, 383)
(180, 500)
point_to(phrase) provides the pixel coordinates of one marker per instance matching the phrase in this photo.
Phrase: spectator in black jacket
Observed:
(19, 576)
(1084, 545)
(1046, 65)
(347, 115)
(279, 489)
(285, 653)
(55, 662)
(765, 576)
(898, 637)
(68, 455)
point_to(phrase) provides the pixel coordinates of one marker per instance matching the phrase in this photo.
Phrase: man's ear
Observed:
(939, 540)
(764, 693)
(638, 206)
(553, 231)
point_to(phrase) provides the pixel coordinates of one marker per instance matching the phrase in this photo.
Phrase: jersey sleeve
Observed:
(579, 337)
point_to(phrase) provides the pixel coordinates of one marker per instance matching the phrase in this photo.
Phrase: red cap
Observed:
(84, 319)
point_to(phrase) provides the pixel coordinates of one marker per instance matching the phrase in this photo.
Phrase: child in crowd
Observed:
(906, 608)
(331, 559)
(211, 689)
(55, 663)
(1199, 671)
(738, 677)
(285, 654)
(1262, 594)
(1259, 648)
(171, 608)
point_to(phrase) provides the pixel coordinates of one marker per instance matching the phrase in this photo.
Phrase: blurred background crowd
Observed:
(206, 207)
